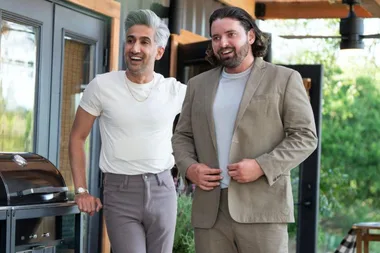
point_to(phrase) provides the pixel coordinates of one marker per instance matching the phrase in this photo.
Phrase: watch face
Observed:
(81, 190)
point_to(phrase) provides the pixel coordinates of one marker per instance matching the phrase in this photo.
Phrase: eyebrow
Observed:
(224, 32)
(142, 37)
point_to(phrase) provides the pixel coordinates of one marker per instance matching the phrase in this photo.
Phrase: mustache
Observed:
(226, 48)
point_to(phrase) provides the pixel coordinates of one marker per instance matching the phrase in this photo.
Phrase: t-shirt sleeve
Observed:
(90, 101)
(181, 95)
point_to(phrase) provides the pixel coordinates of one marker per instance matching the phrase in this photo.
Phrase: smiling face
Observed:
(231, 44)
(141, 50)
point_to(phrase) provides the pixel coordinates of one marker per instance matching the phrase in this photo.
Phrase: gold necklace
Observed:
(130, 91)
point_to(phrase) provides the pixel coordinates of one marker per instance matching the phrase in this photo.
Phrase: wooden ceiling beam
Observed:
(247, 5)
(308, 9)
(293, 9)
(373, 6)
(109, 8)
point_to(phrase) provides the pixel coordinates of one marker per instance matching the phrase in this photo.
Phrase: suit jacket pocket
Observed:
(259, 202)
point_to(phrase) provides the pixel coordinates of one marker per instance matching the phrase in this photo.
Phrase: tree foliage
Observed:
(350, 168)
(16, 127)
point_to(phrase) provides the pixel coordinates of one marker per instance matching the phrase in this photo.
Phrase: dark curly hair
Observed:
(259, 47)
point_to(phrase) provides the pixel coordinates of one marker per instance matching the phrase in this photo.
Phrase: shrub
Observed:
(184, 234)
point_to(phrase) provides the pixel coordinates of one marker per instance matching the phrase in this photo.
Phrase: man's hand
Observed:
(203, 176)
(245, 171)
(88, 203)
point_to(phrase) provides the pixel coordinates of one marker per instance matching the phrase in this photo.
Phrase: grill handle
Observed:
(48, 189)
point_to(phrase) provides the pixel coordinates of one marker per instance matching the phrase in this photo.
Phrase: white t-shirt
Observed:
(226, 106)
(136, 136)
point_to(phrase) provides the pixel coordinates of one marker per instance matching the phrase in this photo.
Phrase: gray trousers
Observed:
(140, 212)
(228, 236)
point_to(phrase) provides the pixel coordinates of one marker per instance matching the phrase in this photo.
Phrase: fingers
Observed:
(211, 171)
(233, 173)
(204, 169)
(210, 183)
(234, 166)
(212, 178)
(203, 176)
(99, 204)
(92, 205)
(208, 186)
(88, 204)
(237, 176)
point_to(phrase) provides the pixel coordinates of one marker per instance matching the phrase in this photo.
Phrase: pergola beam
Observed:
(373, 7)
(294, 9)
(307, 9)
(248, 5)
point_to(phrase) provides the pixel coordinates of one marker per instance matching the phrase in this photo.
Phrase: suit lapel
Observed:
(210, 92)
(253, 82)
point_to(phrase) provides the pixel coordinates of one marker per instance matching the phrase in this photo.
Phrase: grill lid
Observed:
(28, 178)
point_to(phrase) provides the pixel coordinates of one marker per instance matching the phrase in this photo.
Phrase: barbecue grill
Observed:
(27, 178)
(31, 188)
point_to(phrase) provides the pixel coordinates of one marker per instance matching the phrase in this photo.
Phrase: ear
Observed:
(160, 53)
(251, 36)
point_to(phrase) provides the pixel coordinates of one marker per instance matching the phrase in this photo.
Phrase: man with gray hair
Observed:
(136, 109)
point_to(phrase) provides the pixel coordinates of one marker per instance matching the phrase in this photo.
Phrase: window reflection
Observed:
(18, 51)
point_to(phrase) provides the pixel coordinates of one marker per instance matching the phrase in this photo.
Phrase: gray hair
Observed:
(150, 19)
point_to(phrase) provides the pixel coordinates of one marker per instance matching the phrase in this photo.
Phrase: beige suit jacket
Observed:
(274, 125)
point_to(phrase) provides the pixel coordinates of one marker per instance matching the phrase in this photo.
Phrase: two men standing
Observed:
(244, 125)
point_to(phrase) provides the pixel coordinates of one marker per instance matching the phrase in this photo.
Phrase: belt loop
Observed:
(158, 178)
(125, 182)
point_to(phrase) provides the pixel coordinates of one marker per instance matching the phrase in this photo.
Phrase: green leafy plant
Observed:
(184, 234)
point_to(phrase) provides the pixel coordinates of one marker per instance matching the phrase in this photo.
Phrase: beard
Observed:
(237, 58)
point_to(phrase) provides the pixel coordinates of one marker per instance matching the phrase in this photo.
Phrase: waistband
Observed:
(146, 176)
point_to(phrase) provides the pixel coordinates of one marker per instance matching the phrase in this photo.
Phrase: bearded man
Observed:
(244, 125)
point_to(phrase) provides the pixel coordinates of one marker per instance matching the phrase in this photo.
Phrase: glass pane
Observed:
(18, 64)
(78, 70)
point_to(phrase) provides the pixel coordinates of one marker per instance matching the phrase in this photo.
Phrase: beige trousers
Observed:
(228, 236)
